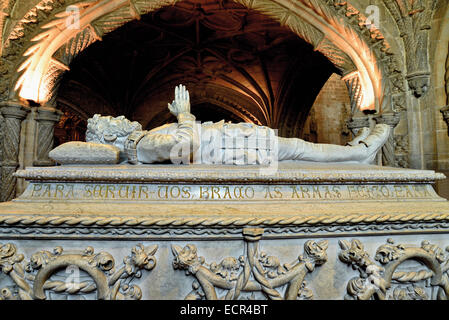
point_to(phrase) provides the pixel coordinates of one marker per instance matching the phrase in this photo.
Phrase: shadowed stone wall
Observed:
(327, 118)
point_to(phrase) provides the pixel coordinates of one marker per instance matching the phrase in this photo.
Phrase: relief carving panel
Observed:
(392, 277)
(254, 271)
(32, 279)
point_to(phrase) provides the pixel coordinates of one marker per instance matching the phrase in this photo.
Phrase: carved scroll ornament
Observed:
(256, 271)
(413, 20)
(33, 279)
(387, 281)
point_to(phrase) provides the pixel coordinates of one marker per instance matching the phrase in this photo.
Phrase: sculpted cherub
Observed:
(222, 143)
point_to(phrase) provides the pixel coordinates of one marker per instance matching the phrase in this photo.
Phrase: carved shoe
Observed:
(378, 137)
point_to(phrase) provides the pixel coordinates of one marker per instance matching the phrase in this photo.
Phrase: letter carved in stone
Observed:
(34, 279)
(400, 275)
(255, 271)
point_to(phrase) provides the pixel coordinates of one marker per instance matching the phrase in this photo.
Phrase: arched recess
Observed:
(440, 70)
(236, 104)
(39, 48)
(334, 28)
(438, 118)
(246, 60)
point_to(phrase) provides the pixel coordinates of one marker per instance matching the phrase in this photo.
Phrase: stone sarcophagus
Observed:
(302, 231)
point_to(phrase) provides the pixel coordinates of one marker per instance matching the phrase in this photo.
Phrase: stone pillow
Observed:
(77, 152)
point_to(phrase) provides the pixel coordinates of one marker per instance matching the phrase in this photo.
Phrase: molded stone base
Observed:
(235, 234)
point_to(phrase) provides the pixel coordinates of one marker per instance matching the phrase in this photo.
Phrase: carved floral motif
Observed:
(413, 20)
(33, 278)
(253, 272)
(388, 280)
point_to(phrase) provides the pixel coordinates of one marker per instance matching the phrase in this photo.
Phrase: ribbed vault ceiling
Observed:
(238, 65)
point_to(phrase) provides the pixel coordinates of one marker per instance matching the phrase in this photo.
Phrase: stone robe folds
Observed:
(208, 143)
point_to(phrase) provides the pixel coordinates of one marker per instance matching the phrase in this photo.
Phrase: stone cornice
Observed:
(286, 173)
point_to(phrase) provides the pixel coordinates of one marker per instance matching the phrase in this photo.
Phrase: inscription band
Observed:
(181, 192)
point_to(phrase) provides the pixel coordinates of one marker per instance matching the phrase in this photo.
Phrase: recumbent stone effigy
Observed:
(189, 189)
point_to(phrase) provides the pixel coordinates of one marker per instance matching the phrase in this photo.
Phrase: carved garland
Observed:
(254, 271)
(33, 278)
(388, 281)
(145, 221)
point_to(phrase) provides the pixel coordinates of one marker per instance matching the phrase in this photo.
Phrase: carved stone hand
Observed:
(181, 104)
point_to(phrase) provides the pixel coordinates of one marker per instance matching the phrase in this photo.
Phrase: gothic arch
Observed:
(334, 28)
(242, 108)
(440, 70)
(440, 78)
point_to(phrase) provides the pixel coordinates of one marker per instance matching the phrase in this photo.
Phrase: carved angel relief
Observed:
(253, 272)
(89, 272)
(399, 275)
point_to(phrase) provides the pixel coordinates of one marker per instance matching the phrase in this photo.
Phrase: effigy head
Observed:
(110, 130)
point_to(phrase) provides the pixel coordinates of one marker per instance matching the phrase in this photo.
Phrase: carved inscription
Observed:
(152, 192)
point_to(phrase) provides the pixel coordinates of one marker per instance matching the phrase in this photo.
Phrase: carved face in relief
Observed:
(186, 258)
(316, 251)
(109, 130)
(419, 85)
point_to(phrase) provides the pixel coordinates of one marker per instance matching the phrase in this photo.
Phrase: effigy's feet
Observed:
(362, 135)
(375, 140)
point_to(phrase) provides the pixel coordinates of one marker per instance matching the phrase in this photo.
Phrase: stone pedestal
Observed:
(226, 232)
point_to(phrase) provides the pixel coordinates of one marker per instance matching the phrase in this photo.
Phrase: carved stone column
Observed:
(355, 90)
(46, 119)
(13, 112)
(445, 112)
(413, 19)
(2, 133)
(388, 154)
